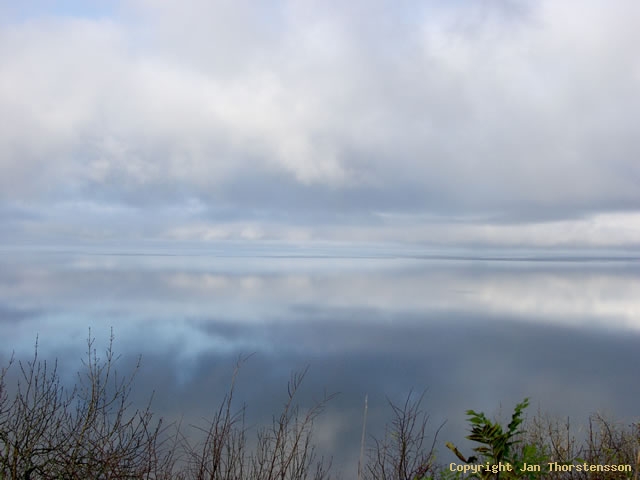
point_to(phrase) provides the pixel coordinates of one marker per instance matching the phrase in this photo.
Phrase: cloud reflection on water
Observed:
(476, 332)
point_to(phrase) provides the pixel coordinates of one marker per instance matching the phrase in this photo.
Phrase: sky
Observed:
(460, 123)
(416, 125)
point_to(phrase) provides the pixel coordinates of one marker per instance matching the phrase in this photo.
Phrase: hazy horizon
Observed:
(400, 194)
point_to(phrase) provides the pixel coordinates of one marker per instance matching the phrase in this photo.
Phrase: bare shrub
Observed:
(283, 451)
(601, 442)
(88, 432)
(92, 431)
(404, 453)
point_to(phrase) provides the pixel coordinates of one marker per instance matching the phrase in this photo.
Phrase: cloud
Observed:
(316, 110)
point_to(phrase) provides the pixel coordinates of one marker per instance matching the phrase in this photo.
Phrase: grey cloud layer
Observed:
(308, 110)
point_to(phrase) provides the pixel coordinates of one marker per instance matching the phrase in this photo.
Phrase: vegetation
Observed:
(545, 448)
(498, 447)
(92, 431)
(404, 452)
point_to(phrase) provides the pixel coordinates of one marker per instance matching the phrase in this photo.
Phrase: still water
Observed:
(477, 331)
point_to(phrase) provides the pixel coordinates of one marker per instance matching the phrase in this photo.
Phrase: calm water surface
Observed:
(476, 331)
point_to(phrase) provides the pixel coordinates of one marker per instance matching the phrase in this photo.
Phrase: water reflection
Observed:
(476, 332)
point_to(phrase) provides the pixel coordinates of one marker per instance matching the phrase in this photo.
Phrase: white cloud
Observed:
(417, 108)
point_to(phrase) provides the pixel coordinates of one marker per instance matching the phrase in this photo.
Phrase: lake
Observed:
(478, 331)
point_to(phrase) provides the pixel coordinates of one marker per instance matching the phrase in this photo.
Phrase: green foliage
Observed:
(498, 445)
(530, 455)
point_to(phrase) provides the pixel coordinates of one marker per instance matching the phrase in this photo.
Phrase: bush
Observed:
(404, 452)
(92, 432)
